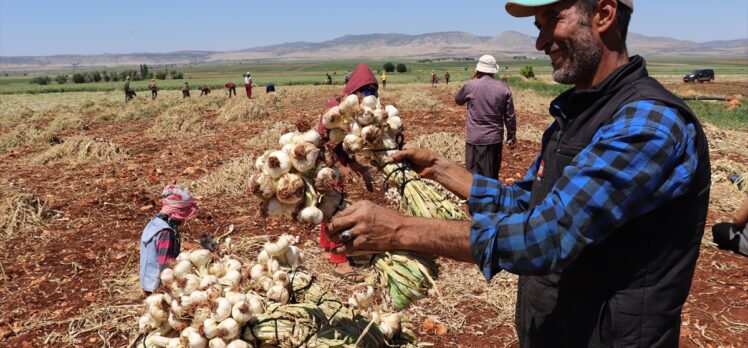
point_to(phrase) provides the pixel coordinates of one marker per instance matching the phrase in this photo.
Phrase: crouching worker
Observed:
(160, 243)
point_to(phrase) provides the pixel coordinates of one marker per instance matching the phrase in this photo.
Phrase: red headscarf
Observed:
(361, 76)
(178, 203)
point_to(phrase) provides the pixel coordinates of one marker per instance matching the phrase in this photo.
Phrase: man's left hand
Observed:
(369, 226)
(512, 143)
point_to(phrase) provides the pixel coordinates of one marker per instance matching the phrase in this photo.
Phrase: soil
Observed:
(54, 274)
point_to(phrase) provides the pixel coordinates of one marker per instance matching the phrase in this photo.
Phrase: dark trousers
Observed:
(483, 159)
(154, 94)
(185, 93)
(232, 90)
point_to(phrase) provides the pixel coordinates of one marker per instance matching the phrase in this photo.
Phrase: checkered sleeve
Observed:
(642, 158)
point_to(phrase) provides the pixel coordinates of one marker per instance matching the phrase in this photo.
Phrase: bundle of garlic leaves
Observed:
(368, 131)
(206, 301)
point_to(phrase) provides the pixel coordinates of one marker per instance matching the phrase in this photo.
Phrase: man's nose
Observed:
(543, 40)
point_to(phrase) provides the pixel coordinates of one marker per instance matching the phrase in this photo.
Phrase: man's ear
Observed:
(605, 16)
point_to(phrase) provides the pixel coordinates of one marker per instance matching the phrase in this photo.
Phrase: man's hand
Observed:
(423, 161)
(512, 143)
(370, 227)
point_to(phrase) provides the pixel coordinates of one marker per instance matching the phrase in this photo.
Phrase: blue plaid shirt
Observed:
(643, 157)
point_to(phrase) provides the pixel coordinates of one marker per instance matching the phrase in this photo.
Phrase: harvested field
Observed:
(79, 208)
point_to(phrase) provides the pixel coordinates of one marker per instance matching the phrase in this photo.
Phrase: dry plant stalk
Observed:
(449, 145)
(230, 179)
(20, 136)
(82, 149)
(19, 211)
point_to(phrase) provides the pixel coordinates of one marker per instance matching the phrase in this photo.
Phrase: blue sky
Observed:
(36, 27)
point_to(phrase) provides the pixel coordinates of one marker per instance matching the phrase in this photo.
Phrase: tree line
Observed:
(143, 73)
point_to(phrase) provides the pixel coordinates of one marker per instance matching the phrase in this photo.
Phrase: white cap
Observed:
(487, 64)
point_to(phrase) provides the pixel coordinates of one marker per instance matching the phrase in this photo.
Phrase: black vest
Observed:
(627, 291)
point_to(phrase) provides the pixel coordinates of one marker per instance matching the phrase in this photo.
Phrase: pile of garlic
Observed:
(206, 300)
(295, 181)
(363, 127)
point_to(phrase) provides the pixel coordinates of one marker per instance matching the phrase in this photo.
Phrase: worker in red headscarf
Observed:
(364, 83)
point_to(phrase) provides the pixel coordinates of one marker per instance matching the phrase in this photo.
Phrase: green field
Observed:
(310, 73)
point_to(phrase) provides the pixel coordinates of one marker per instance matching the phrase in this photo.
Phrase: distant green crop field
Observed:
(310, 73)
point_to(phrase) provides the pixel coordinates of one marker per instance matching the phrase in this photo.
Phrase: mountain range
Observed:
(378, 46)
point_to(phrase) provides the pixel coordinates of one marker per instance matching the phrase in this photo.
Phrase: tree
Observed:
(161, 75)
(61, 79)
(79, 78)
(176, 75)
(527, 72)
(143, 71)
(389, 67)
(41, 80)
(95, 76)
(401, 68)
(105, 76)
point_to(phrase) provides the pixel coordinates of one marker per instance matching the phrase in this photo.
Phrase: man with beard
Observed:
(605, 229)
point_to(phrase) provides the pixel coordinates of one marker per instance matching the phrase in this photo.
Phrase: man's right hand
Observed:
(423, 161)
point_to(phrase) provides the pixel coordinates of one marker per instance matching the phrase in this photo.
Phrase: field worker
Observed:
(346, 77)
(204, 90)
(126, 88)
(733, 236)
(154, 89)
(160, 242)
(270, 87)
(363, 83)
(248, 84)
(231, 87)
(433, 78)
(605, 229)
(447, 76)
(328, 79)
(490, 107)
(384, 79)
(185, 90)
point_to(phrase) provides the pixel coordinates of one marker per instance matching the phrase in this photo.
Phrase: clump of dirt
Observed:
(82, 149)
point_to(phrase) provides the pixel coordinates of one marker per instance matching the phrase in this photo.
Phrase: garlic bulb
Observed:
(362, 299)
(273, 265)
(256, 303)
(355, 129)
(330, 203)
(390, 325)
(277, 164)
(217, 342)
(395, 124)
(257, 271)
(290, 189)
(199, 297)
(209, 280)
(279, 247)
(210, 328)
(278, 293)
(262, 185)
(304, 157)
(349, 106)
(326, 180)
(336, 136)
(379, 116)
(294, 256)
(260, 161)
(217, 269)
(241, 312)
(192, 283)
(228, 329)
(280, 277)
(366, 118)
(352, 143)
(158, 313)
(231, 280)
(238, 344)
(167, 276)
(214, 291)
(182, 268)
(311, 215)
(371, 134)
(194, 338)
(175, 343)
(201, 314)
(311, 136)
(332, 119)
(177, 307)
(286, 138)
(157, 340)
(154, 299)
(200, 259)
(274, 209)
(184, 256)
(370, 102)
(146, 323)
(391, 111)
(235, 297)
(221, 309)
(177, 323)
(232, 265)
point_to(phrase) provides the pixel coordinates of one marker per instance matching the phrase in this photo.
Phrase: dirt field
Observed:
(69, 278)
